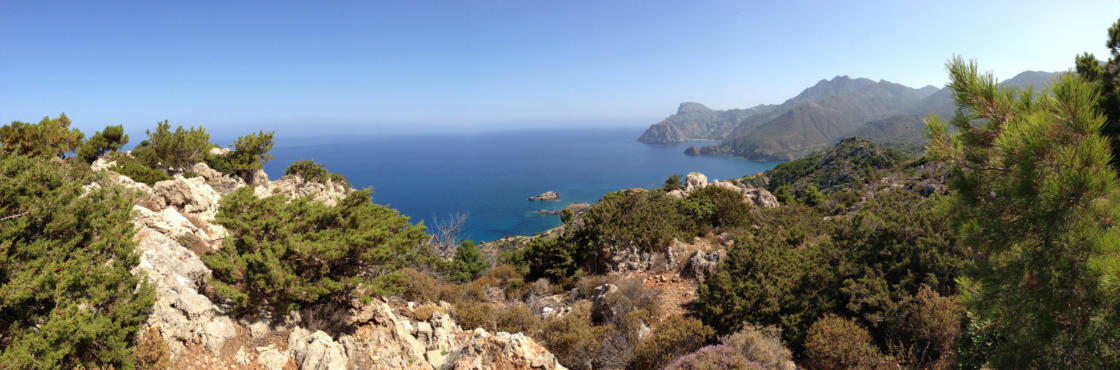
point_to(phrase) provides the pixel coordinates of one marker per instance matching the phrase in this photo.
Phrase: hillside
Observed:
(806, 126)
(883, 112)
(694, 121)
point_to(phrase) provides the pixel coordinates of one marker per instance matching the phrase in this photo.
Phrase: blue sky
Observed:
(379, 67)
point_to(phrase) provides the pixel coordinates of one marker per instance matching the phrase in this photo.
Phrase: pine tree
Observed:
(111, 139)
(1037, 204)
(67, 296)
(51, 137)
(1106, 75)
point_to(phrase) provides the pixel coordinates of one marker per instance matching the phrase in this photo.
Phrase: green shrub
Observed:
(647, 220)
(673, 183)
(48, 138)
(67, 296)
(838, 343)
(866, 268)
(784, 194)
(468, 263)
(173, 150)
(285, 253)
(674, 337)
(312, 171)
(555, 260)
(248, 155)
(138, 171)
(810, 196)
(111, 139)
(717, 208)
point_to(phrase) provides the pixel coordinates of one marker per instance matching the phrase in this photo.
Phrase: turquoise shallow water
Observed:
(489, 175)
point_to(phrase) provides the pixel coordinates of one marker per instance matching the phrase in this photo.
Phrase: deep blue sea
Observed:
(489, 175)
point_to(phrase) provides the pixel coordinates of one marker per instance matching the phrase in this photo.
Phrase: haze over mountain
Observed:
(884, 112)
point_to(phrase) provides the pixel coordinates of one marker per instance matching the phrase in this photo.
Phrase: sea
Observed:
(488, 176)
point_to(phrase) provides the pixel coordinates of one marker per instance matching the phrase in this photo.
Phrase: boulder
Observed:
(501, 351)
(272, 359)
(193, 197)
(317, 351)
(761, 197)
(220, 182)
(701, 263)
(695, 180)
(102, 164)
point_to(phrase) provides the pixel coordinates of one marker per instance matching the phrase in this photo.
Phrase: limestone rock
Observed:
(272, 359)
(761, 197)
(220, 182)
(169, 222)
(295, 186)
(192, 196)
(695, 180)
(501, 351)
(316, 350)
(102, 164)
(701, 263)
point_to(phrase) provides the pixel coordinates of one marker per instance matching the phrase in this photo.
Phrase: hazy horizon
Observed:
(463, 67)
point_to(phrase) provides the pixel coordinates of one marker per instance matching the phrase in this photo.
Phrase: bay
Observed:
(490, 175)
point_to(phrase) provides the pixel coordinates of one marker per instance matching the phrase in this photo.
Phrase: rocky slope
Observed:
(694, 121)
(174, 223)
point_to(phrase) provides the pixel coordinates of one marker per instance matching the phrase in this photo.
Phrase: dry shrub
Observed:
(426, 311)
(194, 244)
(714, 358)
(504, 273)
(760, 344)
(419, 287)
(151, 350)
(572, 338)
(674, 337)
(197, 222)
(633, 296)
(470, 315)
(517, 319)
(834, 342)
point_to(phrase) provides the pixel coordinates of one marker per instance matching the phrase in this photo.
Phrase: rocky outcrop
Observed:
(601, 310)
(200, 333)
(501, 351)
(295, 186)
(548, 195)
(751, 195)
(701, 263)
(222, 183)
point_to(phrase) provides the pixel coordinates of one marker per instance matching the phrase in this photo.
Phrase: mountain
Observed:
(817, 117)
(884, 112)
(905, 130)
(694, 121)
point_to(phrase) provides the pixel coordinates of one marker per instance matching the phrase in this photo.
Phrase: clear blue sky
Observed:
(235, 66)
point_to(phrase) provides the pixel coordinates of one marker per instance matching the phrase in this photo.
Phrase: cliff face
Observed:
(694, 121)
(175, 223)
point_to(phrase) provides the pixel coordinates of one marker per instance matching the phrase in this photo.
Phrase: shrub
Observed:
(194, 244)
(249, 154)
(426, 311)
(111, 139)
(173, 150)
(67, 296)
(838, 343)
(713, 358)
(716, 207)
(647, 220)
(552, 259)
(810, 196)
(470, 315)
(421, 287)
(673, 183)
(285, 253)
(760, 344)
(674, 337)
(784, 194)
(517, 319)
(572, 337)
(48, 138)
(312, 171)
(138, 171)
(151, 350)
(930, 324)
(468, 263)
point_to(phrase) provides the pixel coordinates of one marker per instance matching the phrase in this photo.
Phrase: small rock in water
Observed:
(550, 195)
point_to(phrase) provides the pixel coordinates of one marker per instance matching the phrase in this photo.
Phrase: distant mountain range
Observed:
(883, 112)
